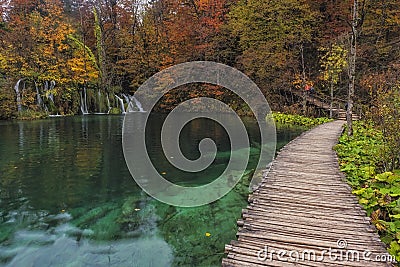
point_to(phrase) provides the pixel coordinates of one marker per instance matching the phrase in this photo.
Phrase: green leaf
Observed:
(395, 249)
(383, 177)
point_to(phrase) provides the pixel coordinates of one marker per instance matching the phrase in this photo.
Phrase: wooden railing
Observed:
(323, 101)
(338, 104)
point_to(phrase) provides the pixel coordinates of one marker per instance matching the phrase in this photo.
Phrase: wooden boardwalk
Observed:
(305, 209)
(323, 102)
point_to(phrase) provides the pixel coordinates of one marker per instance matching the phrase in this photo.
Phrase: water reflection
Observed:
(66, 197)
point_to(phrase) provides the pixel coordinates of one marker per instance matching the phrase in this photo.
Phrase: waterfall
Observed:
(121, 103)
(85, 98)
(99, 100)
(128, 99)
(84, 102)
(108, 104)
(39, 99)
(138, 104)
(52, 84)
(46, 89)
(84, 108)
(129, 102)
(50, 95)
(18, 92)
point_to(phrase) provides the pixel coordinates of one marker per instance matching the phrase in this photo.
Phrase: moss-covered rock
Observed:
(115, 111)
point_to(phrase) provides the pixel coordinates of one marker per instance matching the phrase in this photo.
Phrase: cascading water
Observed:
(48, 87)
(128, 99)
(84, 108)
(128, 102)
(108, 104)
(38, 97)
(138, 104)
(99, 104)
(18, 92)
(121, 102)
(50, 96)
(85, 98)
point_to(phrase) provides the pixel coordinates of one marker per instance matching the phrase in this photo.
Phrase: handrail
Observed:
(338, 103)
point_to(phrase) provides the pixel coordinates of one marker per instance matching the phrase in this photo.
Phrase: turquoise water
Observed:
(67, 198)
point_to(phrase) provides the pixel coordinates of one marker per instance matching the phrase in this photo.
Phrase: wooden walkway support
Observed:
(323, 102)
(304, 213)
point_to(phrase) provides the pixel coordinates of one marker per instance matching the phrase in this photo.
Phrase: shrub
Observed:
(298, 120)
(361, 158)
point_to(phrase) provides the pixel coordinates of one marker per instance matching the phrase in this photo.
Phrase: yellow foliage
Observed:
(3, 62)
(333, 62)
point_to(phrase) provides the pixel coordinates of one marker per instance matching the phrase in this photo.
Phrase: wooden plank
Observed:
(290, 225)
(252, 254)
(323, 202)
(256, 213)
(319, 242)
(279, 245)
(326, 224)
(304, 203)
(351, 209)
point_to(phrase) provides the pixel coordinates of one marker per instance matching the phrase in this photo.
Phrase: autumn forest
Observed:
(56, 54)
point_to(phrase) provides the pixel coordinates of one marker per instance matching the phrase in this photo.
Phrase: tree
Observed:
(334, 19)
(271, 35)
(355, 24)
(143, 48)
(44, 56)
(333, 63)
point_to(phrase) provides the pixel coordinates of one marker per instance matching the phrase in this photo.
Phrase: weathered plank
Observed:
(304, 205)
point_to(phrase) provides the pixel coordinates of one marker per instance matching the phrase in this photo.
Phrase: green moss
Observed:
(91, 216)
(198, 235)
(115, 111)
(107, 228)
(31, 115)
(6, 231)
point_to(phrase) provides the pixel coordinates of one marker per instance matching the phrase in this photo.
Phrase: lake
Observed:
(68, 199)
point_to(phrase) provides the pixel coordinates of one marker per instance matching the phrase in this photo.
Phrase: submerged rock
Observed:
(134, 252)
(199, 234)
(34, 237)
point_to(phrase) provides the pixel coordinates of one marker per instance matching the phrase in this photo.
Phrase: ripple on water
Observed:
(56, 252)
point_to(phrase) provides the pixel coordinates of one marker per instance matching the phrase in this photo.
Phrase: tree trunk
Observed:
(331, 105)
(352, 69)
(304, 104)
